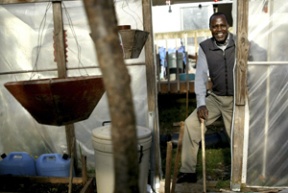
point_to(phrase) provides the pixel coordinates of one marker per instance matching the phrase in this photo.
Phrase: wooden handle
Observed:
(203, 154)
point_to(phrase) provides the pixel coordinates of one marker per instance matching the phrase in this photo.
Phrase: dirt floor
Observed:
(191, 188)
(39, 188)
(22, 184)
(210, 188)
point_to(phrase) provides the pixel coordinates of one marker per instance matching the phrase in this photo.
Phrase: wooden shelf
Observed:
(88, 186)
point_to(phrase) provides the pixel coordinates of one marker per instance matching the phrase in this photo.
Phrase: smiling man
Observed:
(216, 58)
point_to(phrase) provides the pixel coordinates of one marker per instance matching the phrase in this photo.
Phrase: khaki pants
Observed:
(217, 106)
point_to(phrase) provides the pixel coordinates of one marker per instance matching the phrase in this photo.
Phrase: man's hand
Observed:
(202, 113)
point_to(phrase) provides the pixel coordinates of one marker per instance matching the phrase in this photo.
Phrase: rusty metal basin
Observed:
(58, 101)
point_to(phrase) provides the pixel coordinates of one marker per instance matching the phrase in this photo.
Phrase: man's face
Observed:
(219, 28)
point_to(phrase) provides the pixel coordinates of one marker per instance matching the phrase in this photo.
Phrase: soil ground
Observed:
(39, 188)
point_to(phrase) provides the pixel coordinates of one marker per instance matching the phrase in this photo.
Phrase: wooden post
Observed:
(59, 39)
(178, 156)
(241, 78)
(71, 169)
(187, 83)
(59, 46)
(168, 167)
(84, 169)
(152, 90)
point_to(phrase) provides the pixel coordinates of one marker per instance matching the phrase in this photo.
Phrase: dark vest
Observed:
(220, 65)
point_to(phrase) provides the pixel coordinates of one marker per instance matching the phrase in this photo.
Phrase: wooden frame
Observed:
(240, 77)
(241, 93)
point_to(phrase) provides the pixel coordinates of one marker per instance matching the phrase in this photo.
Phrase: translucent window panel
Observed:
(267, 153)
(267, 163)
(199, 14)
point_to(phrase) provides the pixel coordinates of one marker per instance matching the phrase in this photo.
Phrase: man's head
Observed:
(218, 25)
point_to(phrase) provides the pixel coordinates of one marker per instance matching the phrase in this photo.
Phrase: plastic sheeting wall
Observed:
(26, 38)
(267, 144)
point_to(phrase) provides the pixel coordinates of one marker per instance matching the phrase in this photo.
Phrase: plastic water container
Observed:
(17, 163)
(104, 170)
(173, 61)
(53, 164)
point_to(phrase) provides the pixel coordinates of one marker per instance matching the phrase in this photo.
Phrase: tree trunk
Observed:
(103, 23)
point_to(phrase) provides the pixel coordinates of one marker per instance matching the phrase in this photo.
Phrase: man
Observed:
(216, 58)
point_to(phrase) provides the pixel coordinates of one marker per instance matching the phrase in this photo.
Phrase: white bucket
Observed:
(104, 167)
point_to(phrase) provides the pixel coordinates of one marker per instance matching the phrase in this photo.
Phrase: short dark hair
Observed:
(217, 14)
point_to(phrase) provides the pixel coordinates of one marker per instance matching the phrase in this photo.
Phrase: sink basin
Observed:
(58, 101)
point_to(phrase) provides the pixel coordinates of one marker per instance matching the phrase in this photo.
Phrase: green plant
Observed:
(218, 163)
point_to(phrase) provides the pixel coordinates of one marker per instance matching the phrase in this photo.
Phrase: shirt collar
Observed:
(225, 44)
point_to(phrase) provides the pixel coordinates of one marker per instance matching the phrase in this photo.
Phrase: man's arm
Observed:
(201, 78)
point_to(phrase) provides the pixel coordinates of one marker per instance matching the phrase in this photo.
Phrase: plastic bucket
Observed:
(173, 62)
(53, 164)
(17, 163)
(104, 167)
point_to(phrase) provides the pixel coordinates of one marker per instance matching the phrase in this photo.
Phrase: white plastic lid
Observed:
(105, 132)
(102, 138)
